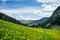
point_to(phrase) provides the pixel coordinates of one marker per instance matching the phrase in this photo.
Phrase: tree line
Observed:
(10, 19)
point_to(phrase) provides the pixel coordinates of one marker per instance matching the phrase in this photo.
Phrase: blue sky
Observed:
(28, 9)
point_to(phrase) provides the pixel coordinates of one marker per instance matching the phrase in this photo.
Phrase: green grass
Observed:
(11, 31)
(55, 27)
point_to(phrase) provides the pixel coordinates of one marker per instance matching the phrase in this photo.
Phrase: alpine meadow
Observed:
(29, 20)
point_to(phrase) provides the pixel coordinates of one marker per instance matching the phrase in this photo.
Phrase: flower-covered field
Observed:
(11, 31)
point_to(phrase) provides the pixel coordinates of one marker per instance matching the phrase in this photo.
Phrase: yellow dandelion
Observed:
(8, 37)
(4, 37)
(19, 36)
(23, 37)
(13, 39)
(1, 39)
(27, 39)
(6, 34)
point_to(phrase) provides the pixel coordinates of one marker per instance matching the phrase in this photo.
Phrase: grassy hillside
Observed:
(11, 31)
(55, 27)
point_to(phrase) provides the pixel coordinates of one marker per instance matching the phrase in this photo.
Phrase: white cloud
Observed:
(25, 10)
(49, 7)
(29, 18)
(48, 1)
(43, 13)
(18, 12)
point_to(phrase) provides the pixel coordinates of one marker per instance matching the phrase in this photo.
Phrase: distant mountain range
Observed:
(47, 21)
(26, 21)
(34, 21)
(40, 21)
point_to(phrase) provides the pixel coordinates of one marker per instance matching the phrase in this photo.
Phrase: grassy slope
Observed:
(55, 27)
(11, 31)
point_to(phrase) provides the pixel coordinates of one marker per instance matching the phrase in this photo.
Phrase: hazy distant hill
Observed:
(39, 21)
(34, 21)
(25, 21)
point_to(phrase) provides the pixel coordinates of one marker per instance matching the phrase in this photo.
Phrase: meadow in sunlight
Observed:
(11, 31)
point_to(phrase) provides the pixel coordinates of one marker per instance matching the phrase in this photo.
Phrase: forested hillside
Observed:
(54, 19)
(9, 19)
